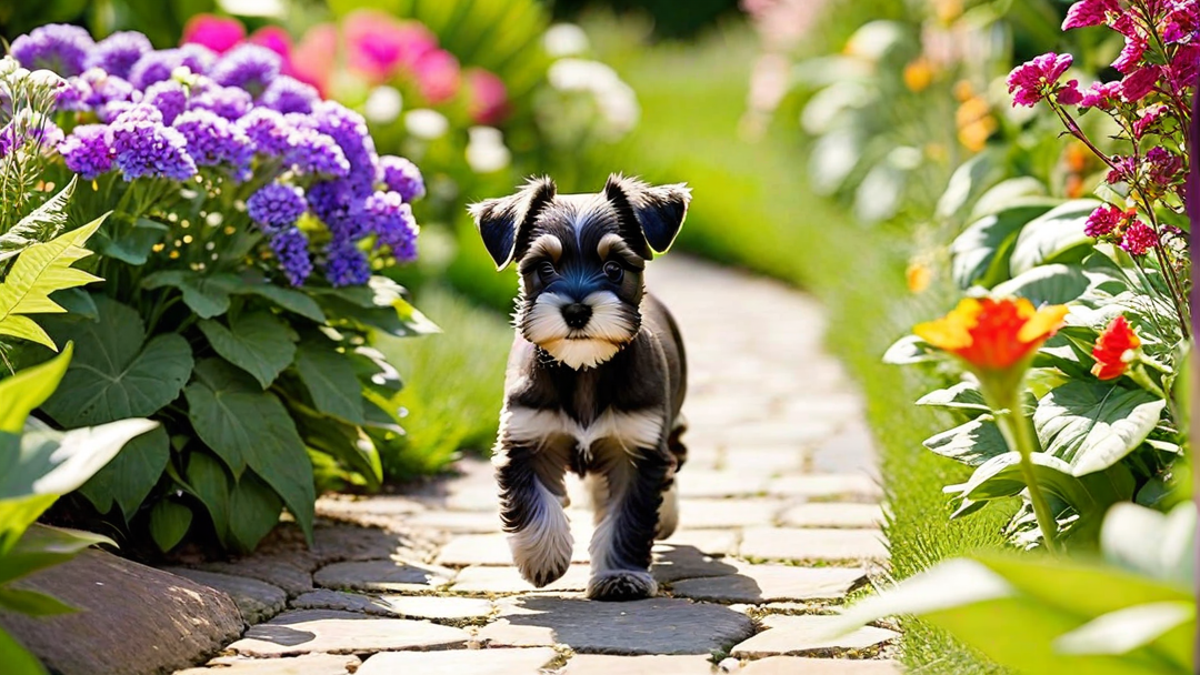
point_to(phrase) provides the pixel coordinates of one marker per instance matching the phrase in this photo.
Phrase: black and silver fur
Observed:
(596, 377)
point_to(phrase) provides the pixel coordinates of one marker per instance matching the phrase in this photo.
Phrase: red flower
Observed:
(1115, 349)
(218, 33)
(993, 335)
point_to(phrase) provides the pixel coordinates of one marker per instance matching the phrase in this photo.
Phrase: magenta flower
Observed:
(1139, 83)
(1131, 54)
(1123, 169)
(488, 103)
(1163, 166)
(1181, 25)
(1101, 95)
(218, 33)
(377, 45)
(1148, 119)
(438, 75)
(1103, 220)
(1138, 239)
(1089, 13)
(1034, 80)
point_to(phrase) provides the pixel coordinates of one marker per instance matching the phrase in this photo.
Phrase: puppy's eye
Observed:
(613, 271)
(546, 270)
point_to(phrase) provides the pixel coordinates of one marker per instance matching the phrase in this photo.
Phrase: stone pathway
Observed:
(779, 523)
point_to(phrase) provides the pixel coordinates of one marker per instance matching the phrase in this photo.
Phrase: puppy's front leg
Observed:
(626, 522)
(532, 496)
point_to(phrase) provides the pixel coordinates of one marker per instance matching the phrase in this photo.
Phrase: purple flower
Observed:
(276, 206)
(196, 58)
(268, 130)
(291, 250)
(74, 96)
(1033, 80)
(335, 203)
(28, 128)
(346, 265)
(1138, 239)
(289, 95)
(104, 88)
(1089, 13)
(1103, 220)
(143, 146)
(158, 66)
(311, 151)
(7, 140)
(251, 67)
(401, 175)
(60, 47)
(88, 151)
(117, 53)
(393, 224)
(1131, 54)
(1181, 24)
(213, 140)
(228, 102)
(169, 97)
(349, 130)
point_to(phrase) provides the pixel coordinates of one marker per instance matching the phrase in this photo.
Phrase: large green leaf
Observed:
(1046, 284)
(31, 603)
(28, 389)
(208, 481)
(206, 295)
(1051, 235)
(972, 443)
(42, 546)
(53, 462)
(980, 254)
(251, 283)
(257, 508)
(1092, 425)
(246, 426)
(16, 515)
(970, 179)
(1152, 544)
(16, 659)
(113, 375)
(1172, 624)
(343, 441)
(126, 481)
(169, 522)
(258, 343)
(1019, 191)
(380, 304)
(38, 271)
(44, 223)
(1001, 476)
(134, 246)
(330, 379)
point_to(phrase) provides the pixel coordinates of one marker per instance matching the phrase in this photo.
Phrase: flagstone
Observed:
(832, 514)
(314, 630)
(382, 575)
(801, 544)
(796, 635)
(460, 662)
(772, 583)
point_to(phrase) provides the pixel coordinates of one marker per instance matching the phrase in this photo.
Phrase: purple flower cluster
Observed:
(175, 113)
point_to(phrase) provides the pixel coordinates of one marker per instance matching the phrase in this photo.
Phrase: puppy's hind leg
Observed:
(532, 495)
(620, 548)
(668, 512)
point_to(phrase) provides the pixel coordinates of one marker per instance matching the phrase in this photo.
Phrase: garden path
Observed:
(779, 523)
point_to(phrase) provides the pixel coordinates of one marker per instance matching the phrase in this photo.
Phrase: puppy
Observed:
(596, 377)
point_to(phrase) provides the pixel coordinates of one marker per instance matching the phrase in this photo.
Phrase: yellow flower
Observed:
(918, 275)
(918, 74)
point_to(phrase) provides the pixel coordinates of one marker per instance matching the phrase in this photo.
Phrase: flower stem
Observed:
(1015, 429)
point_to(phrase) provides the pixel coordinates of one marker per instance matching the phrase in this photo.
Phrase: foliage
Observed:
(248, 218)
(38, 465)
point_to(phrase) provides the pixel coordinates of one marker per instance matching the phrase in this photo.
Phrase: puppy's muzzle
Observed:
(576, 315)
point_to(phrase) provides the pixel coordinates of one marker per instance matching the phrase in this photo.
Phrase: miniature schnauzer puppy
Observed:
(596, 377)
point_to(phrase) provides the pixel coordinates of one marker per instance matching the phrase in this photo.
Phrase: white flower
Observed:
(383, 105)
(616, 100)
(426, 124)
(486, 151)
(564, 39)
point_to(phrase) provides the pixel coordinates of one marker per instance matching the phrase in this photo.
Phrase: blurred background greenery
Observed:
(818, 137)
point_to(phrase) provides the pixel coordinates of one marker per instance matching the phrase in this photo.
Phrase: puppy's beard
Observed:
(611, 326)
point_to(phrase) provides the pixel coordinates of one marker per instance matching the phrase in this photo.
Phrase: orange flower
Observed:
(993, 335)
(918, 74)
(1115, 349)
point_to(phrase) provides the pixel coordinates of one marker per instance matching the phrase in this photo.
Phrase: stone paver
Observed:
(656, 664)
(473, 661)
(772, 583)
(653, 626)
(256, 600)
(797, 635)
(796, 544)
(779, 520)
(313, 630)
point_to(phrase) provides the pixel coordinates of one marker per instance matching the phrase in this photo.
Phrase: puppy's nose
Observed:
(576, 314)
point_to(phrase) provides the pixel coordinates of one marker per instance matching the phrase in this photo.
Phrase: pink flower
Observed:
(1103, 220)
(377, 45)
(1069, 94)
(313, 59)
(1101, 95)
(1181, 23)
(1139, 83)
(1184, 67)
(1123, 171)
(218, 33)
(1131, 54)
(1138, 239)
(1148, 118)
(438, 75)
(1033, 80)
(1162, 166)
(1089, 13)
(488, 102)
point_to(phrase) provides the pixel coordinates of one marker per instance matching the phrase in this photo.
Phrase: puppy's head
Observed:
(580, 260)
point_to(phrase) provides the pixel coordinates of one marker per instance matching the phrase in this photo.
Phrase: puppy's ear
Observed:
(650, 214)
(504, 223)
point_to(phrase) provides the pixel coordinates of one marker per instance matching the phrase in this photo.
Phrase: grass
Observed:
(453, 384)
(752, 209)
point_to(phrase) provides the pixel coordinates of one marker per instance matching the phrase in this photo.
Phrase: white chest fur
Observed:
(629, 430)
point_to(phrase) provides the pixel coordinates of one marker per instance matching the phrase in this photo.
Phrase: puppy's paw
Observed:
(542, 554)
(617, 585)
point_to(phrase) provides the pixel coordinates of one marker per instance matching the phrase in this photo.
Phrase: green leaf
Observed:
(1051, 235)
(968, 180)
(374, 371)
(43, 224)
(330, 378)
(1019, 191)
(132, 247)
(258, 343)
(246, 426)
(207, 296)
(126, 481)
(379, 304)
(1001, 477)
(972, 443)
(1128, 629)
(28, 389)
(53, 462)
(962, 396)
(980, 254)
(257, 508)
(77, 302)
(1046, 284)
(113, 375)
(38, 271)
(16, 515)
(16, 659)
(43, 546)
(1093, 425)
(32, 603)
(910, 349)
(344, 442)
(208, 481)
(1152, 544)
(292, 300)
(169, 522)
